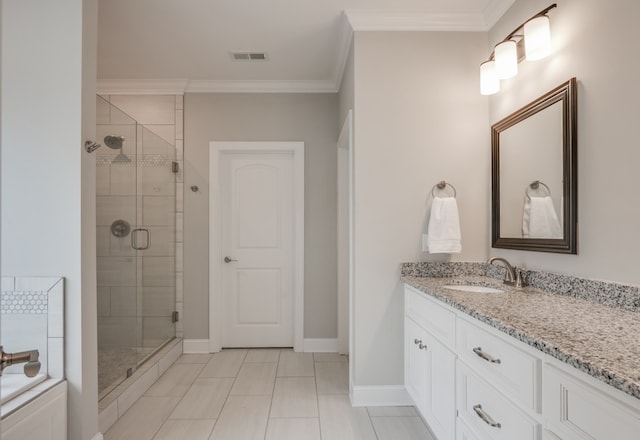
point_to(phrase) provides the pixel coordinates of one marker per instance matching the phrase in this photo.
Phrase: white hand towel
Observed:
(539, 219)
(443, 232)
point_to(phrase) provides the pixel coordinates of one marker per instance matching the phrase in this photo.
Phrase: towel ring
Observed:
(442, 185)
(535, 185)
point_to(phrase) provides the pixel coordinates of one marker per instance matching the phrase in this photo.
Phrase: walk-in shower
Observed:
(136, 243)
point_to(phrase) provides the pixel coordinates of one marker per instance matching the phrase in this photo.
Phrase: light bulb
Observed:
(537, 38)
(506, 56)
(489, 82)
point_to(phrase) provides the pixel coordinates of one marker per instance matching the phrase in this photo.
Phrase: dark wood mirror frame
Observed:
(567, 94)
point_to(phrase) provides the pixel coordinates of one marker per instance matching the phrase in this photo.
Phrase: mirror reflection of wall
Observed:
(530, 151)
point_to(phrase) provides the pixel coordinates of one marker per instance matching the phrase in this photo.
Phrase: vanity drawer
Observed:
(513, 371)
(489, 413)
(438, 320)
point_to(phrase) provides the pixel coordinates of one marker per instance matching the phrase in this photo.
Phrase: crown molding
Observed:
(141, 86)
(412, 21)
(180, 87)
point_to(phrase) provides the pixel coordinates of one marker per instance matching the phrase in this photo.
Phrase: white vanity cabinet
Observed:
(471, 381)
(429, 363)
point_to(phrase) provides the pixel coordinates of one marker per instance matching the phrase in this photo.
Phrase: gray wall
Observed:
(419, 119)
(48, 180)
(595, 42)
(311, 118)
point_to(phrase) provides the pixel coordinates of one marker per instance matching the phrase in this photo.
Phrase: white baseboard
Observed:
(321, 345)
(98, 436)
(382, 395)
(195, 346)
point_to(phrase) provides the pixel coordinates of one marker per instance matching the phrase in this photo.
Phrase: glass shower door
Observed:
(117, 210)
(157, 191)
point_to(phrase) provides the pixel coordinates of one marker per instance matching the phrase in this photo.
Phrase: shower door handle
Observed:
(134, 239)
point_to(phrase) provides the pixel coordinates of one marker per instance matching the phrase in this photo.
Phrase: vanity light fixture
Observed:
(530, 40)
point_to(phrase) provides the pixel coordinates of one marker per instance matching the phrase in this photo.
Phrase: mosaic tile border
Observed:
(140, 160)
(23, 303)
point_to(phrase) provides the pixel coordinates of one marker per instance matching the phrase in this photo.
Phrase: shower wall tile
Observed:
(179, 287)
(123, 302)
(104, 301)
(116, 332)
(147, 109)
(156, 330)
(158, 271)
(102, 241)
(179, 124)
(158, 139)
(103, 181)
(120, 117)
(179, 149)
(179, 227)
(110, 208)
(158, 211)
(116, 271)
(103, 111)
(179, 257)
(123, 180)
(162, 241)
(157, 181)
(180, 197)
(158, 301)
(120, 246)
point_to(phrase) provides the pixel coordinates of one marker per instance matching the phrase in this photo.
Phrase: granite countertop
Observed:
(597, 339)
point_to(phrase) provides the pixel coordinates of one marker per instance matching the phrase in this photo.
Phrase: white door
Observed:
(256, 255)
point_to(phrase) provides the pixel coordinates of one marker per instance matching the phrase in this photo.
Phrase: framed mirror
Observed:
(534, 175)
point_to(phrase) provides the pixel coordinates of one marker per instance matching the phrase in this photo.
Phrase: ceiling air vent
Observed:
(249, 56)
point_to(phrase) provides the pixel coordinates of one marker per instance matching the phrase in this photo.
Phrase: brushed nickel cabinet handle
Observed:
(229, 260)
(485, 356)
(422, 346)
(485, 417)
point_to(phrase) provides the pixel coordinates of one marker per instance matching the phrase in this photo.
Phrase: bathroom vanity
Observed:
(521, 363)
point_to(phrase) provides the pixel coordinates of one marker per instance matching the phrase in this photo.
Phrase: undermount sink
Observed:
(470, 288)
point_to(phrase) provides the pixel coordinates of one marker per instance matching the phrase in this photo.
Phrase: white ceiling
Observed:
(187, 43)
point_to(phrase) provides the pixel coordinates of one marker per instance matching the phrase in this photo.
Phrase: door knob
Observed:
(229, 260)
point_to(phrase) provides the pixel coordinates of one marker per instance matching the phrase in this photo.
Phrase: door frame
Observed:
(216, 150)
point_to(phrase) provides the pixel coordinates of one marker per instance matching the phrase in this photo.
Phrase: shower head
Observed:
(114, 142)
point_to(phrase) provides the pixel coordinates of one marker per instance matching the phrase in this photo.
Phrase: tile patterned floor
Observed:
(263, 395)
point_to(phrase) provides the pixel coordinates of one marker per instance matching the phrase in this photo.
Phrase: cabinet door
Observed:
(575, 410)
(415, 365)
(440, 409)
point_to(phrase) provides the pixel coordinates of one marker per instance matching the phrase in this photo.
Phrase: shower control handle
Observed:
(134, 239)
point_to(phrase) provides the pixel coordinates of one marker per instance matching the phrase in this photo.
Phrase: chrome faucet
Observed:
(29, 358)
(513, 277)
